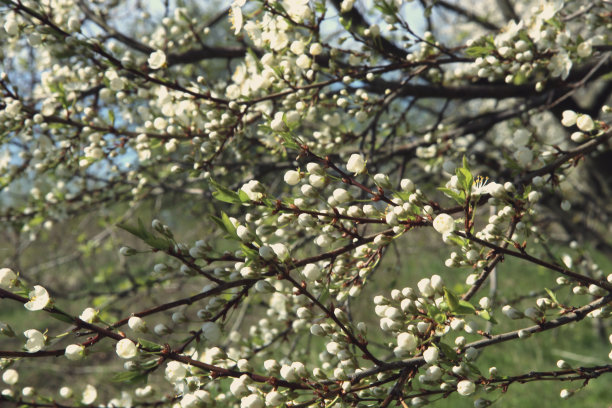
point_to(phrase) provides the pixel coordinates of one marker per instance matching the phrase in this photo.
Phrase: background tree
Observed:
(310, 203)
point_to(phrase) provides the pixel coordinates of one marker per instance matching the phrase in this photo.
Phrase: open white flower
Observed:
(157, 59)
(569, 118)
(35, 342)
(39, 299)
(7, 277)
(175, 371)
(444, 224)
(126, 349)
(236, 15)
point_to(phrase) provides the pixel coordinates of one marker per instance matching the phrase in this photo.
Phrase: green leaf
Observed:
(224, 194)
(229, 227)
(151, 239)
(134, 230)
(449, 352)
(456, 305)
(289, 143)
(440, 318)
(244, 197)
(478, 51)
(130, 377)
(458, 197)
(149, 345)
(465, 179)
(487, 316)
(111, 117)
(249, 252)
(552, 295)
(62, 318)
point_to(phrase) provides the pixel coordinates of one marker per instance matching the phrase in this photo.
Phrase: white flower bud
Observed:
(431, 355)
(266, 252)
(407, 341)
(157, 59)
(126, 349)
(311, 272)
(65, 392)
(471, 353)
(274, 399)
(292, 177)
(356, 164)
(382, 180)
(137, 324)
(10, 376)
(211, 331)
(425, 287)
(511, 312)
(341, 195)
(585, 123)
(74, 352)
(466, 387)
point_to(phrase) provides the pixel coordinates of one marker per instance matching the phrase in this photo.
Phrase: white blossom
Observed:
(444, 223)
(157, 59)
(431, 355)
(126, 349)
(39, 299)
(356, 164)
(89, 315)
(585, 123)
(74, 352)
(292, 177)
(10, 376)
(466, 387)
(7, 278)
(137, 324)
(89, 394)
(35, 342)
